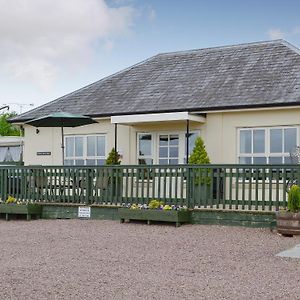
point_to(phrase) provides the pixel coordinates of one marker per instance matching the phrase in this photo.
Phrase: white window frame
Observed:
(267, 152)
(84, 157)
(155, 144)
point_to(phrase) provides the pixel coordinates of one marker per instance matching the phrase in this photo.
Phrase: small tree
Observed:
(7, 129)
(113, 158)
(199, 155)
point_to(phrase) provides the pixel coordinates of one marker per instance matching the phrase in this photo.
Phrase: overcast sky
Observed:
(49, 48)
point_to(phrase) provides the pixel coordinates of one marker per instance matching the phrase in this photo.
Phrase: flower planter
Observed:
(21, 209)
(176, 216)
(288, 223)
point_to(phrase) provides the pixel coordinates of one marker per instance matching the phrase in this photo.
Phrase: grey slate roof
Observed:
(246, 75)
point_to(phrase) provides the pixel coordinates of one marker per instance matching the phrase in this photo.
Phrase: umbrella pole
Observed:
(62, 145)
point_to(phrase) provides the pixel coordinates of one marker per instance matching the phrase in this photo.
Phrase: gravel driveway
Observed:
(89, 259)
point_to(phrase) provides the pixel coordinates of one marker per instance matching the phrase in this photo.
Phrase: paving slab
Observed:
(293, 252)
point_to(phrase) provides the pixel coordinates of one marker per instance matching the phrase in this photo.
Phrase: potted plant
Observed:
(288, 221)
(156, 210)
(200, 178)
(13, 207)
(113, 182)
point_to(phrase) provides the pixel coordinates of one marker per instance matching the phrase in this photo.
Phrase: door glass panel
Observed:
(145, 161)
(163, 161)
(276, 140)
(163, 152)
(174, 140)
(163, 140)
(173, 151)
(173, 161)
(245, 141)
(192, 140)
(145, 141)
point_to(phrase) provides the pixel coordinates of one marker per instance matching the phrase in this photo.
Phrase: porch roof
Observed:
(153, 118)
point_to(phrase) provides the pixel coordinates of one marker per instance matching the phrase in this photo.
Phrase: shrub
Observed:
(294, 199)
(199, 156)
(113, 158)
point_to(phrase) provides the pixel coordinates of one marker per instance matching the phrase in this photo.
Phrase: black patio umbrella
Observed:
(61, 119)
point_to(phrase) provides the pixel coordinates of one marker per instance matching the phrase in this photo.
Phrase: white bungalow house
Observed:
(244, 100)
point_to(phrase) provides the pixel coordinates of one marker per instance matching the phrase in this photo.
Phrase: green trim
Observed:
(234, 218)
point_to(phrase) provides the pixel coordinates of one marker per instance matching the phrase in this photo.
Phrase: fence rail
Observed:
(235, 187)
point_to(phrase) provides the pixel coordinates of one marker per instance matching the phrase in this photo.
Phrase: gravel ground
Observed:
(89, 259)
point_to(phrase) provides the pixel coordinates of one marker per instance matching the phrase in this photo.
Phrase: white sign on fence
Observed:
(84, 212)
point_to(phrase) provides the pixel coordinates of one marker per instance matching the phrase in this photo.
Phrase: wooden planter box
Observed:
(176, 216)
(21, 209)
(288, 224)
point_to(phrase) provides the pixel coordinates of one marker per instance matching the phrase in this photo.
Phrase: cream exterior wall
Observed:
(219, 134)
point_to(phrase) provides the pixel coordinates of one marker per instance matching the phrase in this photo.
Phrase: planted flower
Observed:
(154, 205)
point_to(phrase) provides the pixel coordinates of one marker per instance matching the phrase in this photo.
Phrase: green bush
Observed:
(294, 199)
(113, 158)
(199, 156)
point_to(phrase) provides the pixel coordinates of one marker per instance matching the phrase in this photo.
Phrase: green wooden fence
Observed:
(235, 187)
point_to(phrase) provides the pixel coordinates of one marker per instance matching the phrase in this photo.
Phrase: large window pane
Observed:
(275, 160)
(290, 139)
(245, 141)
(69, 162)
(145, 141)
(245, 160)
(259, 160)
(100, 162)
(69, 146)
(91, 146)
(78, 146)
(100, 146)
(259, 141)
(79, 162)
(192, 139)
(90, 162)
(275, 140)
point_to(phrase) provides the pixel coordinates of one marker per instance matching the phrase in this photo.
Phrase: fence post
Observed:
(4, 183)
(188, 187)
(88, 186)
